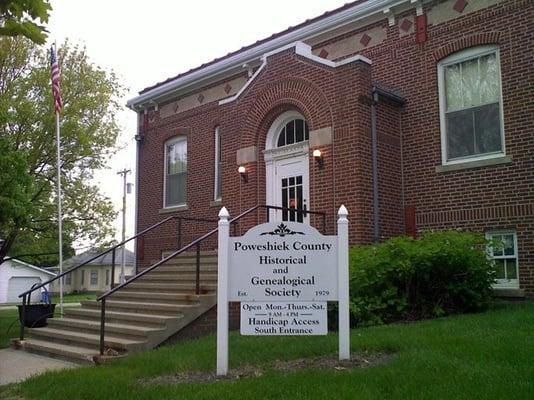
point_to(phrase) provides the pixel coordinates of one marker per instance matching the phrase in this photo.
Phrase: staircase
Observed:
(139, 317)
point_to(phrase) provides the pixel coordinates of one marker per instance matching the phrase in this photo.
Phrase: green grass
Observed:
(74, 297)
(7, 322)
(482, 356)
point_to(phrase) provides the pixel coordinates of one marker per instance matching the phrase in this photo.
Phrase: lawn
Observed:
(74, 297)
(9, 326)
(481, 356)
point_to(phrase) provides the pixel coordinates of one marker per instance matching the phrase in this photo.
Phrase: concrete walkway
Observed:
(18, 365)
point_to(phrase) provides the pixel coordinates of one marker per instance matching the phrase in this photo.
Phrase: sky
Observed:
(145, 42)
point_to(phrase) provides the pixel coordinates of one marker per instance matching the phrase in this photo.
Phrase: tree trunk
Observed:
(7, 244)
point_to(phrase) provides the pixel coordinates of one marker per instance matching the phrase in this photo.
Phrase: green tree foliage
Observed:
(407, 279)
(24, 17)
(27, 125)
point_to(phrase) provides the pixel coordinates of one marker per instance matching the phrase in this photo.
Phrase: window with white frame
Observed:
(82, 278)
(470, 105)
(94, 277)
(107, 277)
(175, 185)
(68, 279)
(218, 165)
(503, 251)
(294, 131)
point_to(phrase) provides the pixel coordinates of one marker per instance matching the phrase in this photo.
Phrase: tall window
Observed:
(107, 277)
(470, 105)
(94, 277)
(176, 172)
(294, 131)
(82, 278)
(218, 165)
(504, 254)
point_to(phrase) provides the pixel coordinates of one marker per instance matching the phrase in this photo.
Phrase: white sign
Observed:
(284, 318)
(283, 261)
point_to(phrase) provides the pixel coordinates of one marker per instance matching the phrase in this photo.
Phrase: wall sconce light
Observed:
(139, 138)
(243, 173)
(318, 156)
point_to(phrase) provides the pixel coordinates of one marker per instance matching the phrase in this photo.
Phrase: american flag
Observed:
(56, 92)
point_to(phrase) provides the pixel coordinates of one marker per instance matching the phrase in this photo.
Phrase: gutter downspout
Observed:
(374, 157)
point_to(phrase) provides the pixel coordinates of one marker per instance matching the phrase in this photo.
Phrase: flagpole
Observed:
(57, 99)
(59, 214)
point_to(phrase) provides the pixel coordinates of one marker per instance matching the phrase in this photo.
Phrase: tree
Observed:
(89, 131)
(19, 17)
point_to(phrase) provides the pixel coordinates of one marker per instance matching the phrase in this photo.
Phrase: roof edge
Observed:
(235, 61)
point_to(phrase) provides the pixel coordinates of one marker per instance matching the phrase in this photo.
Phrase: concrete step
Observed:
(76, 354)
(93, 314)
(132, 331)
(141, 307)
(155, 297)
(191, 268)
(179, 278)
(169, 287)
(85, 339)
(211, 260)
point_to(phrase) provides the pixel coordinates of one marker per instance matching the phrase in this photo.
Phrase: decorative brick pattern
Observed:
(460, 5)
(323, 53)
(365, 39)
(406, 25)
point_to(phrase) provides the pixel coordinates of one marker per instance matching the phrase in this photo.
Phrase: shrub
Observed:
(408, 279)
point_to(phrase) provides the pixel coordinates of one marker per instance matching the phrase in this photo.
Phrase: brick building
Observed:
(416, 115)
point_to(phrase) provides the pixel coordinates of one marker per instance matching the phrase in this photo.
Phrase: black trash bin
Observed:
(37, 314)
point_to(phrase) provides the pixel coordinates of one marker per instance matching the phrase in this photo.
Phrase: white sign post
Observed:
(283, 274)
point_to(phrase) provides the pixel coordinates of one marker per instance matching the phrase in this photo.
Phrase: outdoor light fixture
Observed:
(318, 157)
(139, 138)
(243, 173)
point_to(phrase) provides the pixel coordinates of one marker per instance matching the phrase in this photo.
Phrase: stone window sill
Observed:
(216, 203)
(474, 164)
(169, 210)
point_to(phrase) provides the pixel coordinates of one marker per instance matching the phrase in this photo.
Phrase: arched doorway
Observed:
(287, 166)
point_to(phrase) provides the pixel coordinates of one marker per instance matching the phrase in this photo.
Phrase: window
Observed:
(503, 251)
(470, 105)
(82, 278)
(94, 277)
(175, 172)
(294, 131)
(218, 165)
(107, 277)
(68, 279)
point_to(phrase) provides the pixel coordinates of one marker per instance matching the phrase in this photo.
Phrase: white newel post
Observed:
(343, 282)
(222, 293)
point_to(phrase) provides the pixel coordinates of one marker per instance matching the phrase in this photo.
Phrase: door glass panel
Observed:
(292, 197)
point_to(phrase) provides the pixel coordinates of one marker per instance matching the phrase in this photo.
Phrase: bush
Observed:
(409, 279)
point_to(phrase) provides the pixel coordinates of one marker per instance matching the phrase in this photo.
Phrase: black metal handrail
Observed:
(195, 243)
(27, 294)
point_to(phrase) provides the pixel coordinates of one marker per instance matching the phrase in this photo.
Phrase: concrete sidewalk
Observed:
(18, 365)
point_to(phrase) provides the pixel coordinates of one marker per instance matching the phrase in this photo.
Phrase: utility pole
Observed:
(124, 173)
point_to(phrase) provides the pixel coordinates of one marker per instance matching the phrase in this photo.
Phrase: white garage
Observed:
(17, 276)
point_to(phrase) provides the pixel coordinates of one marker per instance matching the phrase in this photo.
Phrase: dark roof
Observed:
(106, 259)
(259, 42)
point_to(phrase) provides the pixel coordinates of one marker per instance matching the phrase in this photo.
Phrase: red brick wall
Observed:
(494, 197)
(487, 198)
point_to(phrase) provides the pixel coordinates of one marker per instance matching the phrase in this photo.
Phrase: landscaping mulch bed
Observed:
(247, 371)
